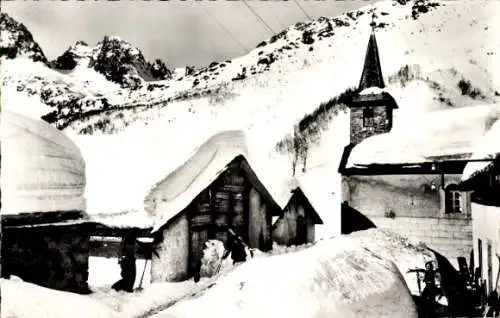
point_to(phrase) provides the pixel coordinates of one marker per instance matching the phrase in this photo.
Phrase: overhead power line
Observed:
(224, 28)
(259, 17)
(302, 9)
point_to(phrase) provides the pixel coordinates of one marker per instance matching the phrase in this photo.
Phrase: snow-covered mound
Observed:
(42, 169)
(443, 133)
(16, 40)
(25, 300)
(340, 277)
(487, 147)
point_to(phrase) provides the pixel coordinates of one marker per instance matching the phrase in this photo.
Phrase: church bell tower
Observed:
(371, 109)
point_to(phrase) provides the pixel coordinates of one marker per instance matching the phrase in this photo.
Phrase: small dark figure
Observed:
(197, 269)
(431, 290)
(128, 266)
(237, 249)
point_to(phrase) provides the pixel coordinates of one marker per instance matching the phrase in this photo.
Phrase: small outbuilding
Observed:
(45, 234)
(297, 224)
(214, 191)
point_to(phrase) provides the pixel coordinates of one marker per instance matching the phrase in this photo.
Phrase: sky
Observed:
(179, 32)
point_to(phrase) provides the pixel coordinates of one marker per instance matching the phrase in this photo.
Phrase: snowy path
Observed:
(186, 295)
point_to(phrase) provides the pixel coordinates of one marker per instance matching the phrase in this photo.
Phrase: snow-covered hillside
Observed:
(435, 55)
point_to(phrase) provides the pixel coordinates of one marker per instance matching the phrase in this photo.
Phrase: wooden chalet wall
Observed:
(231, 201)
(410, 205)
(295, 227)
(56, 257)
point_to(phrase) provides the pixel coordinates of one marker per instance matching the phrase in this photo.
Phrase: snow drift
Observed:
(25, 300)
(339, 277)
(42, 169)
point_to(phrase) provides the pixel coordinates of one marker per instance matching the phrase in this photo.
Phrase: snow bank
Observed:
(26, 300)
(42, 169)
(338, 277)
(487, 147)
(437, 133)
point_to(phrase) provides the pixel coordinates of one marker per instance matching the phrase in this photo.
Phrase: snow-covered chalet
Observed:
(482, 181)
(406, 178)
(45, 233)
(214, 190)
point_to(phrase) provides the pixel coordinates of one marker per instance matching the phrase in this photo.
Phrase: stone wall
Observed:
(381, 123)
(413, 205)
(56, 257)
(172, 262)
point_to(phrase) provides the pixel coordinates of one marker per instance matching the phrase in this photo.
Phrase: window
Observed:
(453, 199)
(368, 117)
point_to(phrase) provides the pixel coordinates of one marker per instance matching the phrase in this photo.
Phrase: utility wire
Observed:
(258, 16)
(302, 9)
(224, 28)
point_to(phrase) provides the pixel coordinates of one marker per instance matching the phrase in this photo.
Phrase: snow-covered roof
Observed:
(324, 201)
(42, 169)
(174, 193)
(436, 134)
(487, 147)
(372, 91)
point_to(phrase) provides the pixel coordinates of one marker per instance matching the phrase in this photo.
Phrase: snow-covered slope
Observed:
(435, 55)
(118, 60)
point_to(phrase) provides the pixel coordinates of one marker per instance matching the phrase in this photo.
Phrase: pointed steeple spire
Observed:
(372, 72)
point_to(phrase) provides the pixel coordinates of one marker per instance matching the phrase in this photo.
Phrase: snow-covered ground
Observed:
(337, 277)
(359, 274)
(105, 271)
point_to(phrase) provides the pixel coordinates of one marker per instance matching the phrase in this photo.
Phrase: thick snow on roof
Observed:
(42, 169)
(341, 277)
(420, 137)
(123, 169)
(372, 91)
(487, 147)
(179, 188)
